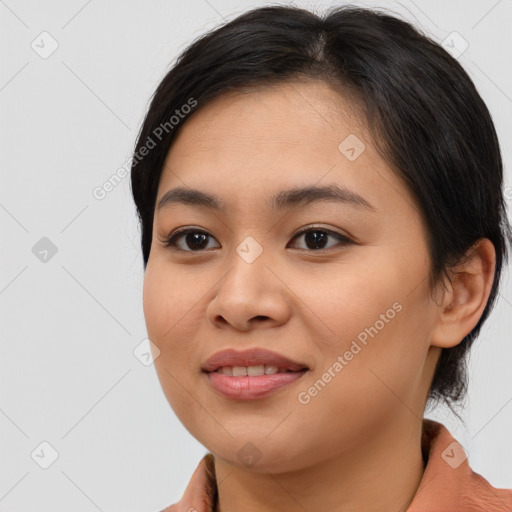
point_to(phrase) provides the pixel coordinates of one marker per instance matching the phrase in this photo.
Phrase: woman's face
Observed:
(349, 298)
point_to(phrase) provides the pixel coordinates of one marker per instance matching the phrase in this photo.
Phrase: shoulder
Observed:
(449, 483)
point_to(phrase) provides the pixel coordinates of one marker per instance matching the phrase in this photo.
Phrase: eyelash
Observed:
(171, 240)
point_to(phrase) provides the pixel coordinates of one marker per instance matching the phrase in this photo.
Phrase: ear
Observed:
(468, 291)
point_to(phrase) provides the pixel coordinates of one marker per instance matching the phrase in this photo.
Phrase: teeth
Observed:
(240, 371)
(271, 369)
(256, 370)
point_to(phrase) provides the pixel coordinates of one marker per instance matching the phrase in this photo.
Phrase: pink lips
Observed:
(251, 387)
(248, 387)
(250, 357)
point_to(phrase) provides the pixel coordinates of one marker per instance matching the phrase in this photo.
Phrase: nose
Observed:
(250, 295)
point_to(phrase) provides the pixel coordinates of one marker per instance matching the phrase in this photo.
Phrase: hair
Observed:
(424, 114)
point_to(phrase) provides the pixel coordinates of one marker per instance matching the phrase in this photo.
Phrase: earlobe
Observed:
(468, 291)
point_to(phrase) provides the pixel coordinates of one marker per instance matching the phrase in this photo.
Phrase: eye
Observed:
(317, 237)
(194, 237)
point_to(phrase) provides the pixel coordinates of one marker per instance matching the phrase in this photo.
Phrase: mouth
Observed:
(254, 371)
(251, 362)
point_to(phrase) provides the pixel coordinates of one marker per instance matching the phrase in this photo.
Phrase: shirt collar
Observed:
(448, 483)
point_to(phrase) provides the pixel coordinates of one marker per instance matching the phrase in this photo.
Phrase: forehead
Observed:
(276, 137)
(280, 114)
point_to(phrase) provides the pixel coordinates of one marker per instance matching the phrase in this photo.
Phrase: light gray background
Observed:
(69, 326)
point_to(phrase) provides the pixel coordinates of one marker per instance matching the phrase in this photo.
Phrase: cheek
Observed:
(168, 301)
(348, 302)
(368, 317)
(167, 313)
(164, 306)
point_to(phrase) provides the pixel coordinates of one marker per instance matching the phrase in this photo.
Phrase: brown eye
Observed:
(316, 238)
(195, 240)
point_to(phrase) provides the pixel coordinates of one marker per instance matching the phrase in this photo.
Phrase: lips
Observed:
(251, 357)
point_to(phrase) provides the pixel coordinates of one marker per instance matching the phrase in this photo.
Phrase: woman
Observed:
(323, 234)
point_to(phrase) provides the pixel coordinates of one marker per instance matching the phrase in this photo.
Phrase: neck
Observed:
(380, 475)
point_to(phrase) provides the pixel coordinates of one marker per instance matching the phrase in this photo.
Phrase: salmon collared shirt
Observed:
(448, 483)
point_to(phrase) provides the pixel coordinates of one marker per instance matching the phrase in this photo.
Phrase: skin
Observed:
(356, 444)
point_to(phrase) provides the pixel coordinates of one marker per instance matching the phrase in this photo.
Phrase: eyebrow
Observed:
(286, 199)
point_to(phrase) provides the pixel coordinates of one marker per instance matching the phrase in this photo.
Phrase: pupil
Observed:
(196, 240)
(315, 238)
